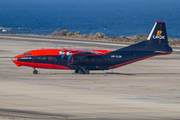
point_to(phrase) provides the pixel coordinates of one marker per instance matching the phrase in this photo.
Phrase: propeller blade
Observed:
(62, 56)
(69, 58)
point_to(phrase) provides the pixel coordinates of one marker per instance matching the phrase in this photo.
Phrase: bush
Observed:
(103, 35)
(172, 43)
(69, 34)
(112, 37)
(146, 35)
(77, 33)
(135, 38)
(122, 37)
(170, 39)
(91, 34)
(64, 32)
(100, 35)
(136, 41)
(55, 33)
(85, 36)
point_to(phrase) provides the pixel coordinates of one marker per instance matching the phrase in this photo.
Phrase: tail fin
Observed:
(158, 34)
(157, 41)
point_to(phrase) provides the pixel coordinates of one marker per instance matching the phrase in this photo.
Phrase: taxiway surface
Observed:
(147, 89)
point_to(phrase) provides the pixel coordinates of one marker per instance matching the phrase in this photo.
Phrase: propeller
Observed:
(69, 54)
(62, 54)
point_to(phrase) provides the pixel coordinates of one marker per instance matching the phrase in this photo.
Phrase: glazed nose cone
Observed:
(14, 59)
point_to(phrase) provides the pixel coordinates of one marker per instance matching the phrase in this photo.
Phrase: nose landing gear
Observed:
(35, 71)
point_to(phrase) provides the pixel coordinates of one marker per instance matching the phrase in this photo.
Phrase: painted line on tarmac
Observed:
(176, 49)
(41, 116)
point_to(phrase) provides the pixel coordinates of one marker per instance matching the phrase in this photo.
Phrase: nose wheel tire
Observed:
(35, 71)
(76, 71)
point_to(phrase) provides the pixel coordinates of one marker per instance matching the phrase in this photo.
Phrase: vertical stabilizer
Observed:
(158, 34)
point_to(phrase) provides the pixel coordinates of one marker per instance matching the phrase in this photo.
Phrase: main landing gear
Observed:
(82, 71)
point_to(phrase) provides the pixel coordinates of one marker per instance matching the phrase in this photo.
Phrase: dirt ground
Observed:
(148, 89)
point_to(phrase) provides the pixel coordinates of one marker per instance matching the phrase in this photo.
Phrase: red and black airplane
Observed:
(84, 60)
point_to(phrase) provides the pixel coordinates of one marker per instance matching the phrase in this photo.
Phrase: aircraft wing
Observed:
(86, 52)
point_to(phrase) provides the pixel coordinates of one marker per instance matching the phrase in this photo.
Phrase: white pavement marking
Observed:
(176, 49)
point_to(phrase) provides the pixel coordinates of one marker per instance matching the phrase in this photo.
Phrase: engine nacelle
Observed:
(68, 53)
(61, 52)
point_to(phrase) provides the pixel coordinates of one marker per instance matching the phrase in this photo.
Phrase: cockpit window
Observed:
(26, 53)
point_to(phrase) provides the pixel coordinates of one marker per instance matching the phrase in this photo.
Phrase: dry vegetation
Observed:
(103, 37)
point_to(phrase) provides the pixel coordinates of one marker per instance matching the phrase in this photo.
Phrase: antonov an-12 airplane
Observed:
(84, 60)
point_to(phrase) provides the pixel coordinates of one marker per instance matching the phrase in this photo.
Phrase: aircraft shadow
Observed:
(110, 73)
(117, 73)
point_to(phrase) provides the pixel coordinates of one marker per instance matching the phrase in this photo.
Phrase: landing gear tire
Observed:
(35, 71)
(76, 71)
(80, 71)
(87, 72)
